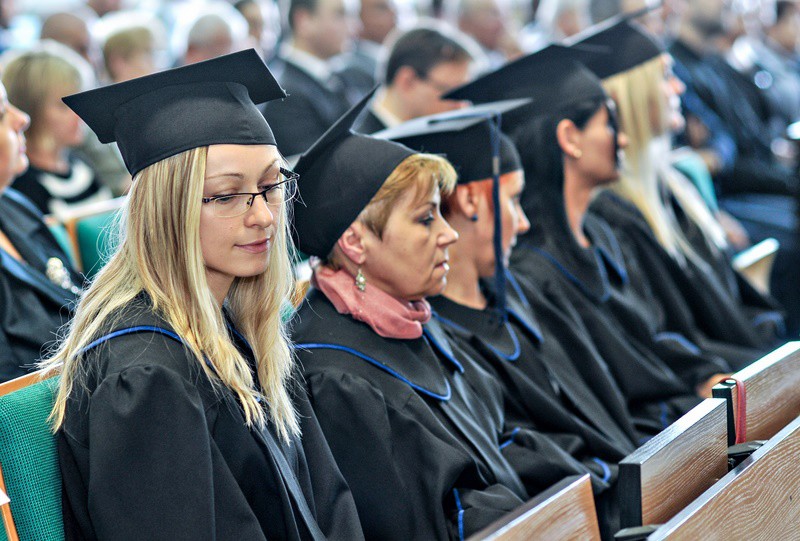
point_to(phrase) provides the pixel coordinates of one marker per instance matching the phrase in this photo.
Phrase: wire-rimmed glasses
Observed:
(236, 204)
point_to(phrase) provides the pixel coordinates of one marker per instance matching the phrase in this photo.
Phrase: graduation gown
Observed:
(542, 387)
(418, 445)
(32, 306)
(722, 286)
(656, 368)
(695, 299)
(150, 449)
(309, 110)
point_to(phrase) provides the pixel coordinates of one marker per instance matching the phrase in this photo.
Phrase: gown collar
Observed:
(419, 363)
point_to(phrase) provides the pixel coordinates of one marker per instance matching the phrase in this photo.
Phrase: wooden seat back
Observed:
(564, 511)
(757, 500)
(675, 467)
(772, 395)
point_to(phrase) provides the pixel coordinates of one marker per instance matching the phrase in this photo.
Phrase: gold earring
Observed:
(577, 154)
(361, 280)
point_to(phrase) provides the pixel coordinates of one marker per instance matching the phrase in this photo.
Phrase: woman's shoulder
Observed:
(135, 336)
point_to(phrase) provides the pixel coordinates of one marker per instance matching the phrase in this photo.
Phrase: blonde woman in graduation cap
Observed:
(175, 417)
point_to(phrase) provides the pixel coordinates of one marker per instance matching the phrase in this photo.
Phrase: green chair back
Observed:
(30, 462)
(94, 239)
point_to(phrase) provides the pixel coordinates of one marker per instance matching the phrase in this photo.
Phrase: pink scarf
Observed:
(386, 315)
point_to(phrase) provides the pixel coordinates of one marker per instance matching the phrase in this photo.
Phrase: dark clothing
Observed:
(368, 123)
(308, 112)
(151, 449)
(54, 192)
(32, 305)
(735, 101)
(696, 302)
(576, 404)
(416, 442)
(656, 368)
(542, 386)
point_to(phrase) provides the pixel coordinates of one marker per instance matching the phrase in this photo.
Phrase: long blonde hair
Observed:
(159, 253)
(648, 175)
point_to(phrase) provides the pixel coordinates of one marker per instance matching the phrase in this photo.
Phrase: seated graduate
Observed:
(569, 146)
(174, 414)
(551, 375)
(37, 282)
(664, 219)
(418, 445)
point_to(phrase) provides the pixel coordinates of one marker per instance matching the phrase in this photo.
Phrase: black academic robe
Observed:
(542, 387)
(720, 285)
(151, 449)
(694, 302)
(311, 108)
(32, 306)
(656, 368)
(418, 445)
(582, 410)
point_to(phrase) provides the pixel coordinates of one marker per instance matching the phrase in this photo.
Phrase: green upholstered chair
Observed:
(29, 460)
(90, 231)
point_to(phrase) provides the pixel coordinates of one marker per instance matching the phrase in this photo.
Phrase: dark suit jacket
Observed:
(310, 109)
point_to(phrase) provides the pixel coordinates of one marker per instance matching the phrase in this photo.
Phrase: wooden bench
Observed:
(772, 395)
(672, 469)
(755, 263)
(757, 500)
(565, 511)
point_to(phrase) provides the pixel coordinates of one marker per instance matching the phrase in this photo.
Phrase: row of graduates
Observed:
(558, 346)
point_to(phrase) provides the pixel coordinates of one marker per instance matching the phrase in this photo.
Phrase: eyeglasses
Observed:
(236, 204)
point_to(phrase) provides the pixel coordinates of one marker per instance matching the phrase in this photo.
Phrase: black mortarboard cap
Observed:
(628, 43)
(554, 77)
(339, 175)
(464, 137)
(160, 115)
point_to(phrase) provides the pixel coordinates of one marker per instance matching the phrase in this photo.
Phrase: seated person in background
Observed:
(175, 416)
(317, 94)
(536, 356)
(57, 178)
(423, 65)
(72, 31)
(133, 45)
(360, 65)
(216, 29)
(37, 282)
(569, 143)
(418, 443)
(677, 239)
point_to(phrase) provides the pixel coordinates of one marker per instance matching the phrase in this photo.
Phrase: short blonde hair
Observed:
(33, 76)
(420, 174)
(127, 43)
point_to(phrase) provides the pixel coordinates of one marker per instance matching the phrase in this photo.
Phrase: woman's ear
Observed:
(569, 138)
(466, 201)
(351, 243)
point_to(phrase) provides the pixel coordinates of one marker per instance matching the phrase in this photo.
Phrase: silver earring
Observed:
(361, 280)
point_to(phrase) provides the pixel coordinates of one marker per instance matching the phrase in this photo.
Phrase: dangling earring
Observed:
(473, 218)
(577, 154)
(361, 280)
